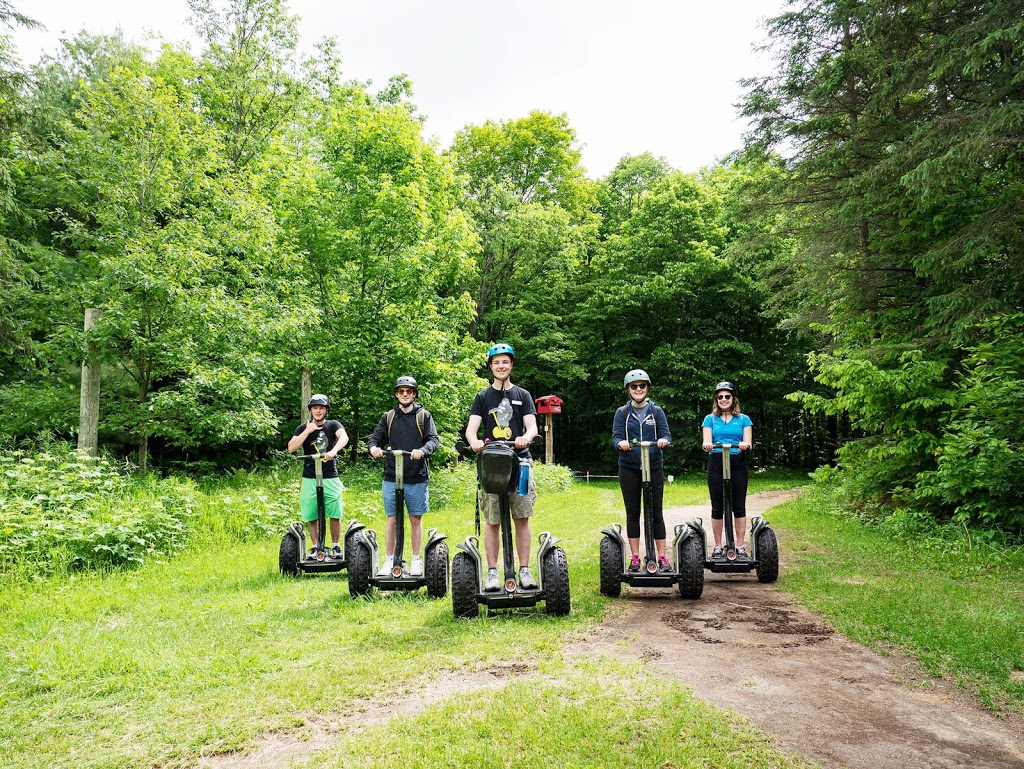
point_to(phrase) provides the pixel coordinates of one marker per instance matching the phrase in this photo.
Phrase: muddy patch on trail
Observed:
(744, 646)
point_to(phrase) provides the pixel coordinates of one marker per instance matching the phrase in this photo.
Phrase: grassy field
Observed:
(211, 650)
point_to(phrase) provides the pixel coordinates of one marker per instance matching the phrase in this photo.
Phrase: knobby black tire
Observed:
(464, 586)
(288, 557)
(767, 556)
(436, 570)
(359, 567)
(611, 567)
(350, 546)
(556, 582)
(691, 568)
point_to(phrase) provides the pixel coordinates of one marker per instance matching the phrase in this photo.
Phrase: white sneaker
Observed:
(385, 570)
(416, 570)
(526, 580)
(493, 584)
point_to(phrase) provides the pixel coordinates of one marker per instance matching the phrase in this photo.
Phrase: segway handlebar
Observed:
(465, 450)
(394, 452)
(307, 456)
(720, 445)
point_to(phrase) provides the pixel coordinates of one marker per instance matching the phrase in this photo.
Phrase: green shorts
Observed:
(522, 507)
(332, 498)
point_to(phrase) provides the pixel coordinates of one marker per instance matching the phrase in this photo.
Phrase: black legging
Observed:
(631, 484)
(738, 463)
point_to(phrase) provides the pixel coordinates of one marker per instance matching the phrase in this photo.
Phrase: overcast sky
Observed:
(654, 76)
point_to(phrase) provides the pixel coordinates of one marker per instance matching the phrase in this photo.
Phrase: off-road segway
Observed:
(764, 550)
(498, 466)
(687, 561)
(362, 576)
(292, 559)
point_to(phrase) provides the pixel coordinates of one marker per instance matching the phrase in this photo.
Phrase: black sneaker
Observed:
(718, 553)
(664, 565)
(336, 553)
(741, 552)
(634, 564)
(312, 555)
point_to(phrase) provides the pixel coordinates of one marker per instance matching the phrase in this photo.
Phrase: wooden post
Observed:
(549, 440)
(89, 402)
(307, 392)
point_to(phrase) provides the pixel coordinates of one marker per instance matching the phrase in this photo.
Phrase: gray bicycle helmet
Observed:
(407, 381)
(728, 386)
(318, 400)
(636, 375)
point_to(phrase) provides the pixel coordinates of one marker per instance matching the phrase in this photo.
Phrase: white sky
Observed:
(656, 76)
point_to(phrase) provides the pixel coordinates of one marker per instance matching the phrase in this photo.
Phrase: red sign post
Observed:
(548, 405)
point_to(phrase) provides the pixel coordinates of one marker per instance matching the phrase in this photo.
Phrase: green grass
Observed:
(210, 650)
(590, 717)
(963, 620)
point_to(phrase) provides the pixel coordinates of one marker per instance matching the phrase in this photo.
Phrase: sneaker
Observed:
(663, 564)
(634, 563)
(526, 580)
(493, 584)
(336, 553)
(718, 553)
(385, 569)
(311, 555)
(416, 570)
(741, 552)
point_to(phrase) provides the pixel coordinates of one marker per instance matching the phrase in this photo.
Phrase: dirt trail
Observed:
(744, 646)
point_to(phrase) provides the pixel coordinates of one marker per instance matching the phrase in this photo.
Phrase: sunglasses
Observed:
(405, 391)
(638, 386)
(724, 397)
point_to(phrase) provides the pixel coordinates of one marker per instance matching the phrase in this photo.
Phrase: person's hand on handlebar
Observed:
(707, 445)
(477, 445)
(416, 454)
(624, 446)
(376, 452)
(744, 446)
(329, 455)
(662, 443)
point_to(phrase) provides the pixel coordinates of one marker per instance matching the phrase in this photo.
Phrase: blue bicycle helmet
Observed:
(500, 349)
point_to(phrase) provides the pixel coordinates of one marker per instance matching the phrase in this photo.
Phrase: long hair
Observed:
(733, 411)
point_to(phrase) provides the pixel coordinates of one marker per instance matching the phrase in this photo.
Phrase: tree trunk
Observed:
(307, 392)
(89, 404)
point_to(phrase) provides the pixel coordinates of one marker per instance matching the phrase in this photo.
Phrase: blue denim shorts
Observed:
(417, 498)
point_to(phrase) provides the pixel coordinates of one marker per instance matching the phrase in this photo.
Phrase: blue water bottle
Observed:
(524, 478)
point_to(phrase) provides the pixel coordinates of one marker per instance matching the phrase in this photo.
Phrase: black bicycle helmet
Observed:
(318, 400)
(407, 381)
(728, 386)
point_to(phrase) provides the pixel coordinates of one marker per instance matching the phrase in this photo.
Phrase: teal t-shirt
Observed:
(727, 432)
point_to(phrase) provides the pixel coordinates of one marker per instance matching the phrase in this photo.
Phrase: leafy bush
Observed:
(62, 510)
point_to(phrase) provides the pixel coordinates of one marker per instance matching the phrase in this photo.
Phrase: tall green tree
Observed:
(374, 210)
(904, 188)
(533, 212)
(175, 257)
